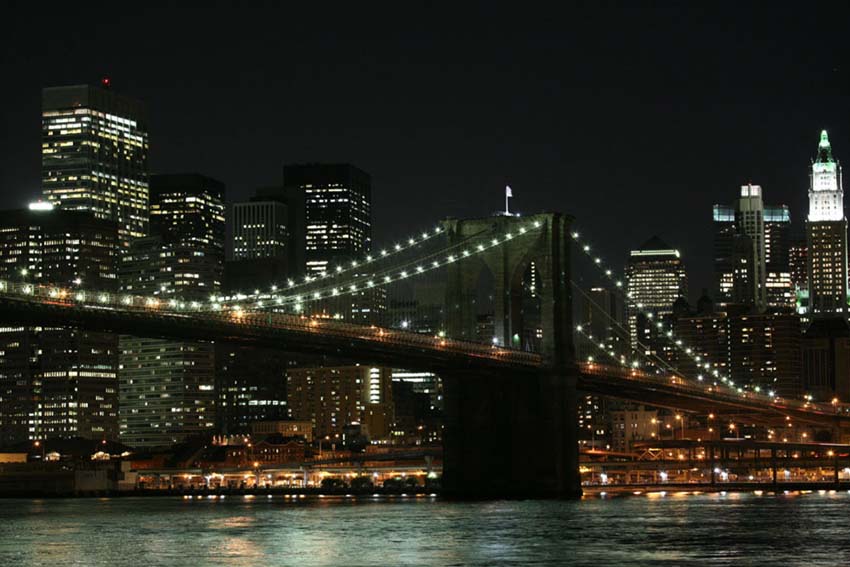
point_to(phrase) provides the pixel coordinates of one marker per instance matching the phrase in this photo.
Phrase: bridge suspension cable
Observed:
(340, 270)
(699, 360)
(467, 248)
(645, 354)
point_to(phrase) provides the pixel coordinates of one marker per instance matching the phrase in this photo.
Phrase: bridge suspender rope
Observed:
(669, 335)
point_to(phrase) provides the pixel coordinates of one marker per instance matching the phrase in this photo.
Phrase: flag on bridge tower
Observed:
(508, 195)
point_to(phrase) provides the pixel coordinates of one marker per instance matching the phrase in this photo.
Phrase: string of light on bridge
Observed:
(391, 275)
(702, 363)
(341, 270)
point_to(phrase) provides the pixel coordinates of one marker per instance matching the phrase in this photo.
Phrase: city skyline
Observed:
(699, 133)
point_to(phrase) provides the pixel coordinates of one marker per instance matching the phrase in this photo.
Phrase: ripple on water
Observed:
(704, 529)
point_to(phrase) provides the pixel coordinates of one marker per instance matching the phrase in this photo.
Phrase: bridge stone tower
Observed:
(507, 436)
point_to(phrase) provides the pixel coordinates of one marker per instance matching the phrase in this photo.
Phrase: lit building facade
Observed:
(58, 381)
(335, 397)
(262, 247)
(168, 387)
(633, 424)
(250, 386)
(798, 260)
(826, 235)
(752, 349)
(337, 201)
(656, 279)
(95, 155)
(751, 253)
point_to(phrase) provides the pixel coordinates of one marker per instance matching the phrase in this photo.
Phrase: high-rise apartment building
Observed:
(656, 279)
(94, 149)
(58, 381)
(168, 387)
(826, 235)
(337, 202)
(751, 253)
(334, 397)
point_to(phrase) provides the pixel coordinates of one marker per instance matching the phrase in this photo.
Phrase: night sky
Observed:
(633, 119)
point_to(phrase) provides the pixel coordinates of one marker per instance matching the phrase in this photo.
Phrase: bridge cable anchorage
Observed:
(669, 335)
(468, 248)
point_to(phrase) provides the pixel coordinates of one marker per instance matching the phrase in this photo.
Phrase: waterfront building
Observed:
(633, 424)
(58, 381)
(168, 387)
(335, 397)
(826, 235)
(94, 149)
(284, 427)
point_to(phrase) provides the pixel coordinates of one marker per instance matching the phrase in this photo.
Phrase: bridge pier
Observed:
(510, 437)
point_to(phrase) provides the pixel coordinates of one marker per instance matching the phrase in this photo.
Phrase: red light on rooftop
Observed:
(106, 82)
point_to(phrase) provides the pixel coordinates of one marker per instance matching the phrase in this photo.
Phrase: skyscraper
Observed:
(656, 279)
(58, 381)
(168, 387)
(337, 212)
(262, 251)
(95, 155)
(751, 253)
(826, 235)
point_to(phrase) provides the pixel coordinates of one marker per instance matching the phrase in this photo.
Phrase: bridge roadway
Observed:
(29, 304)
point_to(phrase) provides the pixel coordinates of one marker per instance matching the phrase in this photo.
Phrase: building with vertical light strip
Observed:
(335, 397)
(826, 235)
(94, 149)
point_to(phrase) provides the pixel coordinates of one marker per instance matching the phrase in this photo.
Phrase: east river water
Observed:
(706, 529)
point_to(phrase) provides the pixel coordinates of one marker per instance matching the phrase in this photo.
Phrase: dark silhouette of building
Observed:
(826, 359)
(58, 381)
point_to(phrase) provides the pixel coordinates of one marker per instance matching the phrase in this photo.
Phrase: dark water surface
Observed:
(708, 529)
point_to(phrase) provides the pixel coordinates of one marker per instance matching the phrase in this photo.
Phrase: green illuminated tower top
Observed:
(824, 149)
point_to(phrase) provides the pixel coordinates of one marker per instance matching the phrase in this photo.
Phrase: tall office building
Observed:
(337, 202)
(826, 235)
(656, 279)
(94, 149)
(262, 250)
(168, 387)
(58, 381)
(751, 253)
